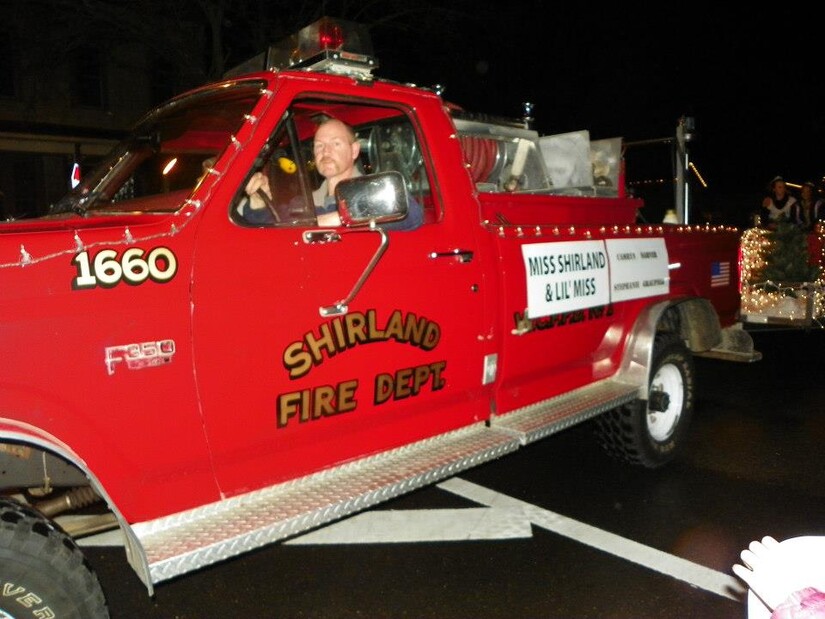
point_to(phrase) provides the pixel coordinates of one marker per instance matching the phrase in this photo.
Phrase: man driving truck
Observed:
(335, 150)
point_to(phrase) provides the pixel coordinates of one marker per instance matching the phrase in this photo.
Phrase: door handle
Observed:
(460, 255)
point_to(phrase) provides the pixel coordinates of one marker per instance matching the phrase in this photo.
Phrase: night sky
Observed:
(750, 80)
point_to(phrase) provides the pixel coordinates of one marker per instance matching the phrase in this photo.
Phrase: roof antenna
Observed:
(528, 115)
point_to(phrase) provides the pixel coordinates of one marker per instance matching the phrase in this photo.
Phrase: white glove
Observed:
(784, 578)
(771, 574)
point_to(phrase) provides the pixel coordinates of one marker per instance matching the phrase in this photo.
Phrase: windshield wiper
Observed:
(79, 204)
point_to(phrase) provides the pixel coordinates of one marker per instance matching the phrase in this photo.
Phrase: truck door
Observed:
(287, 388)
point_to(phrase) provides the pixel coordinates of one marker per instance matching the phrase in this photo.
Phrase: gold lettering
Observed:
(324, 401)
(431, 336)
(437, 367)
(383, 388)
(422, 375)
(340, 338)
(342, 333)
(402, 383)
(355, 329)
(408, 382)
(395, 327)
(316, 402)
(414, 329)
(317, 346)
(375, 334)
(297, 360)
(289, 404)
(346, 396)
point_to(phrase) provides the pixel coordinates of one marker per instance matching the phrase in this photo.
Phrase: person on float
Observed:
(778, 205)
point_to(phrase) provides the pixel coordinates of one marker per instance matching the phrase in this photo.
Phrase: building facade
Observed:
(70, 90)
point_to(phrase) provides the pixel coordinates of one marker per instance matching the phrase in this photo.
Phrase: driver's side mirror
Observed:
(379, 198)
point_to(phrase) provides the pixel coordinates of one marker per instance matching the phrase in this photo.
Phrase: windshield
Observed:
(167, 154)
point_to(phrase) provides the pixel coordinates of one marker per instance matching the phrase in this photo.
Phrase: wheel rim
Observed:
(662, 424)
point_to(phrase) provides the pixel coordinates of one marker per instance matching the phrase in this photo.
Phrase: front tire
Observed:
(652, 432)
(42, 571)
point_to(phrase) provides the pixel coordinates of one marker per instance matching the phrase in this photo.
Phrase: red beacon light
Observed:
(330, 35)
(327, 45)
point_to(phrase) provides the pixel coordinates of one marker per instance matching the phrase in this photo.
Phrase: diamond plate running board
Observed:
(184, 542)
(550, 416)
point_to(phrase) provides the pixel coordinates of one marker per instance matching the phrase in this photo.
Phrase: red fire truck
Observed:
(208, 384)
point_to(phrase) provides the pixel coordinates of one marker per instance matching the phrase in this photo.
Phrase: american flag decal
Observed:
(719, 274)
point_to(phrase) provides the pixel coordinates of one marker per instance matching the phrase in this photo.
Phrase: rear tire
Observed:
(638, 434)
(42, 571)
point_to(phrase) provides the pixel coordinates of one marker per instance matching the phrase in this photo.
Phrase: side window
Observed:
(275, 192)
(294, 176)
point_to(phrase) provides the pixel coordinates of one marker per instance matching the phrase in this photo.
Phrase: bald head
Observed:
(336, 149)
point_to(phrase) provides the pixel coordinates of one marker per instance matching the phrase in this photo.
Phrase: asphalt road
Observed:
(572, 533)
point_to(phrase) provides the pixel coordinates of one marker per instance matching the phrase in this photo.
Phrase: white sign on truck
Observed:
(564, 277)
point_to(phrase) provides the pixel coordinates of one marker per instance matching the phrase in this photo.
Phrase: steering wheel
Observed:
(269, 204)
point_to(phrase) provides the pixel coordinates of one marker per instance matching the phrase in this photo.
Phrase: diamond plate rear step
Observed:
(184, 542)
(550, 416)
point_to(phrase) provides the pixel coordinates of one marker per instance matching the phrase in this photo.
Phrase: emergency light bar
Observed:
(327, 45)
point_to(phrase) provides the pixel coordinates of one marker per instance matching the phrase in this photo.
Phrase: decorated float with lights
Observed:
(782, 277)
